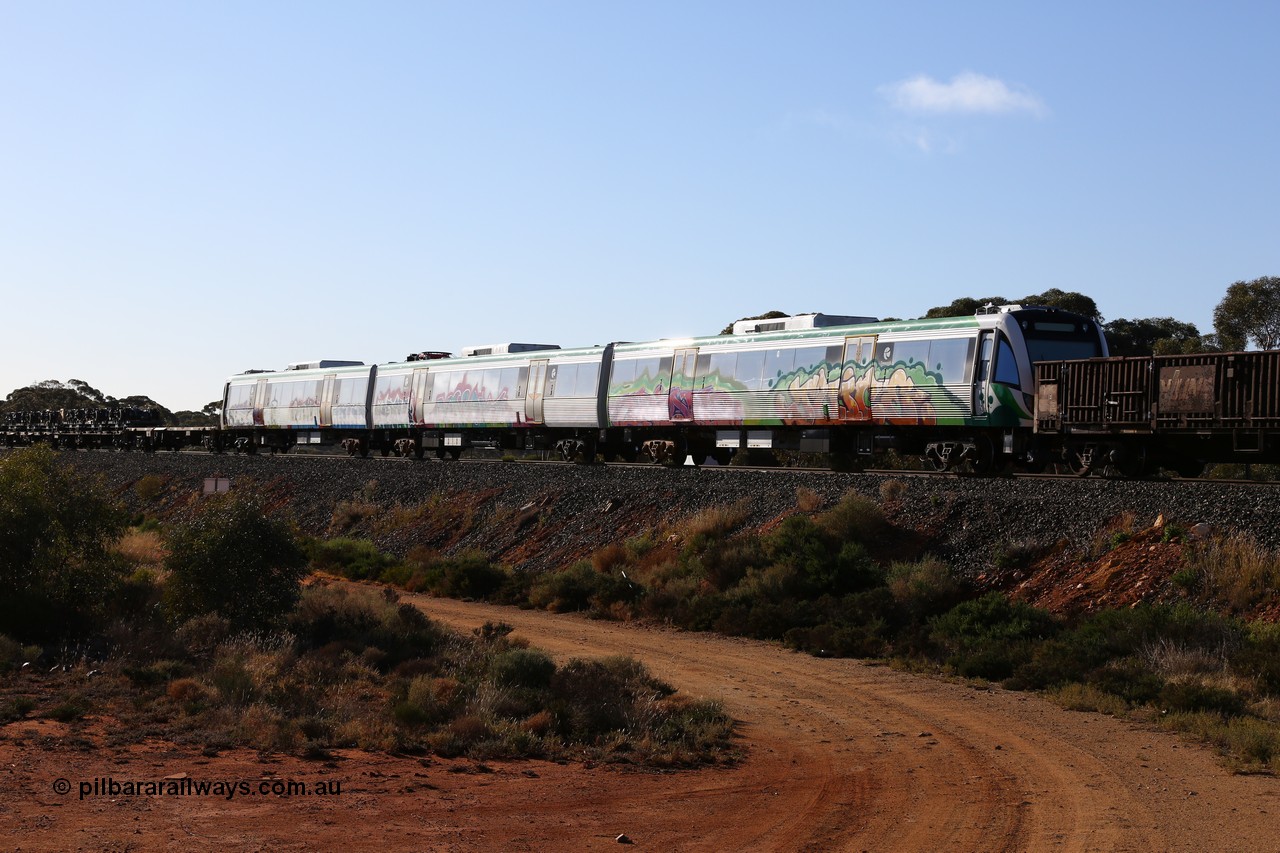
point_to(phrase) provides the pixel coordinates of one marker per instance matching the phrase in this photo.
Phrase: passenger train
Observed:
(1022, 385)
(956, 390)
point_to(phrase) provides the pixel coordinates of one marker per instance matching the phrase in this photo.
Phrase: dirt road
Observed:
(840, 756)
(845, 756)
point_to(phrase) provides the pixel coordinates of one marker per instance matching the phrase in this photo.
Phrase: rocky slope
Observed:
(534, 516)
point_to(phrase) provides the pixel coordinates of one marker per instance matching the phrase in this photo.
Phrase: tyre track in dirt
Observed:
(849, 756)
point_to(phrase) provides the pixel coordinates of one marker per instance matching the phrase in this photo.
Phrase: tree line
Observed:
(52, 395)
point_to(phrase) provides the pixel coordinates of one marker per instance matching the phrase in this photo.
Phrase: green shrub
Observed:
(57, 570)
(854, 518)
(233, 559)
(1192, 696)
(428, 700)
(522, 668)
(924, 588)
(148, 488)
(727, 564)
(800, 544)
(70, 708)
(1129, 680)
(470, 575)
(1185, 579)
(359, 619)
(1258, 656)
(358, 559)
(595, 697)
(991, 636)
(841, 640)
(567, 590)
(16, 709)
(10, 654)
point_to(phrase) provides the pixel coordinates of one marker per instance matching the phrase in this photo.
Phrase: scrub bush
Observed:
(233, 559)
(57, 568)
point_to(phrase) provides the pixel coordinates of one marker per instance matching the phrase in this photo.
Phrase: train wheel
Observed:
(982, 457)
(1189, 469)
(1079, 460)
(455, 453)
(1134, 465)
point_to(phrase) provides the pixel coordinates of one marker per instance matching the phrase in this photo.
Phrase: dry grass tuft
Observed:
(1235, 572)
(142, 548)
(807, 500)
(1086, 697)
(715, 522)
(893, 491)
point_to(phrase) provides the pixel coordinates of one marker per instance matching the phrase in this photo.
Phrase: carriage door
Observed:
(680, 398)
(421, 396)
(533, 396)
(260, 401)
(326, 400)
(982, 376)
(857, 376)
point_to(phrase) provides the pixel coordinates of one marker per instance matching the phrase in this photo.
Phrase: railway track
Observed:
(376, 459)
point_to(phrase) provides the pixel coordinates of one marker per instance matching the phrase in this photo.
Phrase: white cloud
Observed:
(966, 93)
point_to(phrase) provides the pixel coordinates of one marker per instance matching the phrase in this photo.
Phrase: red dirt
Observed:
(841, 755)
(1136, 570)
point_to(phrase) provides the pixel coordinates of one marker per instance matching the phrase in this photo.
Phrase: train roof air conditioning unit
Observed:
(500, 349)
(798, 322)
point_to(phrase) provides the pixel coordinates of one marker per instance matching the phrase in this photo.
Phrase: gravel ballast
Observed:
(536, 516)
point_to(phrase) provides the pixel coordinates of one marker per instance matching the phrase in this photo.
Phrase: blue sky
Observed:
(189, 190)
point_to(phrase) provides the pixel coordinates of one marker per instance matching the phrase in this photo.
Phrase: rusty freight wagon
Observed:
(1172, 411)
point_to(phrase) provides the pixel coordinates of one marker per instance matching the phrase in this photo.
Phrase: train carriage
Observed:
(1171, 411)
(571, 392)
(305, 403)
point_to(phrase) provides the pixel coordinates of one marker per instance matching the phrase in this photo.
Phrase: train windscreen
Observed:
(1058, 336)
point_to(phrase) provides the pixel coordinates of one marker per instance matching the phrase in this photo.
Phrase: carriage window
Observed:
(508, 379)
(810, 357)
(777, 364)
(492, 384)
(951, 358)
(664, 373)
(647, 371)
(560, 379)
(588, 380)
(240, 397)
(750, 366)
(721, 366)
(910, 353)
(350, 392)
(392, 389)
(624, 372)
(1006, 364)
(704, 365)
